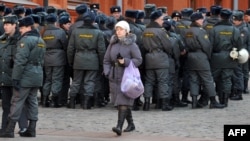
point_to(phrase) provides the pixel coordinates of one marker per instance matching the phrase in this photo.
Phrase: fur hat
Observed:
(163, 9)
(81, 8)
(89, 17)
(247, 12)
(100, 19)
(51, 9)
(149, 8)
(38, 9)
(7, 11)
(225, 13)
(51, 18)
(28, 11)
(2, 7)
(43, 17)
(124, 25)
(19, 9)
(215, 9)
(155, 15)
(94, 6)
(64, 19)
(141, 14)
(202, 10)
(167, 24)
(187, 12)
(26, 21)
(115, 9)
(10, 19)
(176, 14)
(196, 16)
(237, 15)
(36, 18)
(131, 13)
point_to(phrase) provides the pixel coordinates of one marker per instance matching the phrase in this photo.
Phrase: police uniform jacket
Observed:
(182, 25)
(79, 22)
(199, 48)
(224, 37)
(56, 46)
(157, 47)
(210, 22)
(7, 52)
(29, 60)
(129, 50)
(86, 48)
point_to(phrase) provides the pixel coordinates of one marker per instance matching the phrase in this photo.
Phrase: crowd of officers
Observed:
(185, 52)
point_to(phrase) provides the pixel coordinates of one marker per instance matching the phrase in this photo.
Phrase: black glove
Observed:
(16, 84)
(119, 56)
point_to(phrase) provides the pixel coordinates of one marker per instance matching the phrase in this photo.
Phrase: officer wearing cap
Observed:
(199, 54)
(54, 60)
(2, 11)
(202, 10)
(85, 52)
(224, 37)
(176, 16)
(19, 11)
(116, 12)
(27, 77)
(164, 10)
(148, 8)
(80, 10)
(158, 47)
(240, 79)
(213, 19)
(8, 46)
(181, 26)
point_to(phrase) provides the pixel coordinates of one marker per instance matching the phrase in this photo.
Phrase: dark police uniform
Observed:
(224, 37)
(54, 60)
(85, 53)
(27, 77)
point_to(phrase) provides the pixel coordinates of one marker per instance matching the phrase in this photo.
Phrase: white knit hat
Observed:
(124, 25)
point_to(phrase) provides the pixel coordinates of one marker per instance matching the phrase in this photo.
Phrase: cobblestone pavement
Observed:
(181, 124)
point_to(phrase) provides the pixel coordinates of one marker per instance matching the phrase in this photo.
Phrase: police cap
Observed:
(155, 15)
(196, 16)
(94, 6)
(225, 13)
(28, 11)
(187, 12)
(176, 14)
(202, 10)
(89, 17)
(131, 13)
(237, 15)
(2, 7)
(215, 9)
(64, 20)
(141, 14)
(10, 19)
(164, 9)
(19, 9)
(38, 9)
(7, 11)
(81, 8)
(115, 9)
(36, 18)
(51, 9)
(51, 18)
(26, 21)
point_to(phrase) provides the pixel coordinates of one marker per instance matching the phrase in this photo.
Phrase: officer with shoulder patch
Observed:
(54, 60)
(241, 72)
(199, 53)
(85, 53)
(213, 19)
(158, 48)
(224, 38)
(27, 77)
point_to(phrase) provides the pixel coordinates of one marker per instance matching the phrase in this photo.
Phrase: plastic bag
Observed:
(131, 84)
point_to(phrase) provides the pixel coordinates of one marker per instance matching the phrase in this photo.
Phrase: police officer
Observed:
(19, 11)
(85, 53)
(54, 60)
(148, 8)
(199, 53)
(158, 48)
(241, 72)
(224, 37)
(8, 43)
(27, 77)
(116, 12)
(213, 19)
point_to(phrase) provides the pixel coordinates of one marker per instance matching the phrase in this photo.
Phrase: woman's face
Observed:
(120, 32)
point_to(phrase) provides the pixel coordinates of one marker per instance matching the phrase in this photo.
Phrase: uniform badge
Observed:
(21, 45)
(205, 36)
(242, 35)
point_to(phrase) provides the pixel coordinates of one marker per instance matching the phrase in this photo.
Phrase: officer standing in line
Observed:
(181, 26)
(148, 8)
(54, 60)
(158, 48)
(2, 10)
(199, 53)
(224, 37)
(85, 53)
(19, 11)
(116, 12)
(8, 43)
(27, 77)
(241, 72)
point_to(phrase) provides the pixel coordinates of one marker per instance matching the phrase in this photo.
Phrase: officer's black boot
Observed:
(246, 91)
(129, 118)
(122, 113)
(31, 131)
(9, 131)
(185, 97)
(166, 105)
(86, 102)
(195, 103)
(204, 99)
(72, 104)
(225, 96)
(215, 104)
(146, 104)
(54, 102)
(178, 102)
(238, 96)
(221, 98)
(46, 101)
